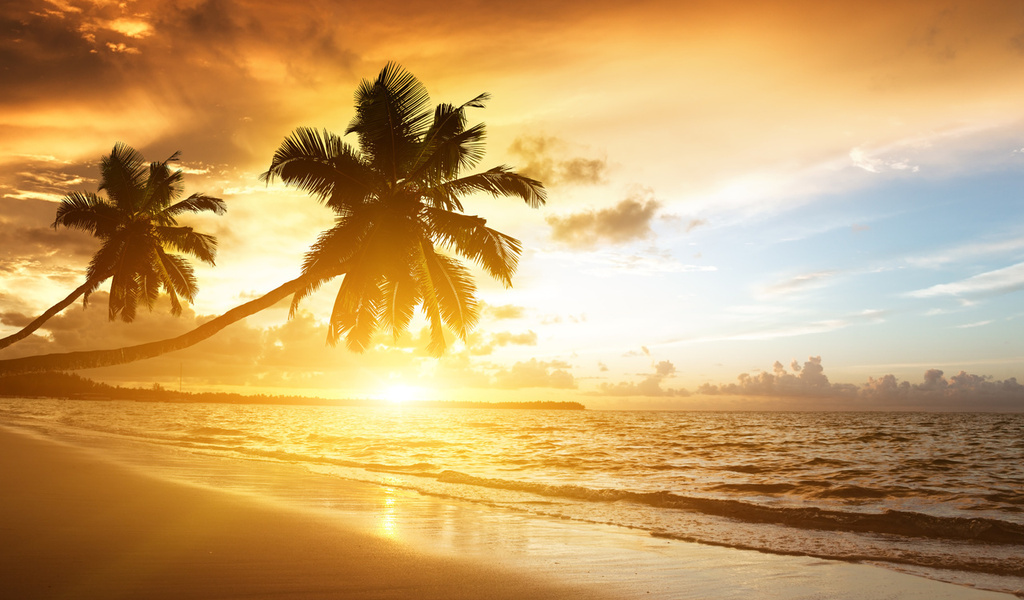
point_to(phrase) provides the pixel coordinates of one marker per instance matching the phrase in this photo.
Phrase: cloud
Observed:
(537, 151)
(965, 252)
(505, 311)
(534, 373)
(649, 386)
(806, 380)
(627, 221)
(975, 324)
(486, 345)
(28, 244)
(963, 391)
(991, 283)
(799, 282)
(874, 164)
(695, 223)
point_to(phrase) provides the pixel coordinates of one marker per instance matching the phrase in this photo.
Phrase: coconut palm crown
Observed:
(137, 224)
(399, 216)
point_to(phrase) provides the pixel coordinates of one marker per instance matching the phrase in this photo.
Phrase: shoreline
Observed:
(78, 524)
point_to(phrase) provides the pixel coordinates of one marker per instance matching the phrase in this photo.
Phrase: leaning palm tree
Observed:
(398, 202)
(137, 224)
(399, 214)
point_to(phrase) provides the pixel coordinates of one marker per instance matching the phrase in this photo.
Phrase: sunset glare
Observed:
(400, 394)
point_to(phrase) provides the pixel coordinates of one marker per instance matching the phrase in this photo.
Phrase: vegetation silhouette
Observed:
(397, 201)
(137, 224)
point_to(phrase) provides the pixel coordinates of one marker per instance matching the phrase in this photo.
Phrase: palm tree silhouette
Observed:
(398, 207)
(137, 224)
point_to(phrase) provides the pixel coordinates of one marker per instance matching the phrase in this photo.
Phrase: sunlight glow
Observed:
(400, 394)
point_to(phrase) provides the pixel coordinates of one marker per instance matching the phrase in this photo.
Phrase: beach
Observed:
(90, 521)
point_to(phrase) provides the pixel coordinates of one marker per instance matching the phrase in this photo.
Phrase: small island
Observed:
(71, 386)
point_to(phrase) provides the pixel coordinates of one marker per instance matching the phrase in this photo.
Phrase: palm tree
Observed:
(398, 207)
(137, 225)
(399, 213)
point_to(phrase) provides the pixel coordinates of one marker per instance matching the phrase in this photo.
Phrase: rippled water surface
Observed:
(939, 494)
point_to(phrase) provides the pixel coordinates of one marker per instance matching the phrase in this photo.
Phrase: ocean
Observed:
(936, 494)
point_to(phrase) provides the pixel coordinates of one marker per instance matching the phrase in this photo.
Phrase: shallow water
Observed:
(938, 494)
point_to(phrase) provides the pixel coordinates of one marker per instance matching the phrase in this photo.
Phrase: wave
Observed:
(893, 522)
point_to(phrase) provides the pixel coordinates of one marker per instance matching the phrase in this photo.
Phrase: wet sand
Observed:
(76, 525)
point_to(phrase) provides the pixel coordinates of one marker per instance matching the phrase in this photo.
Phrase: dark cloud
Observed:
(44, 54)
(535, 373)
(626, 221)
(29, 246)
(540, 163)
(221, 65)
(14, 319)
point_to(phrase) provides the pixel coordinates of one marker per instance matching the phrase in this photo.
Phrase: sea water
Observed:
(939, 494)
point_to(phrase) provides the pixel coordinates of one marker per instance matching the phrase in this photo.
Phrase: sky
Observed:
(751, 205)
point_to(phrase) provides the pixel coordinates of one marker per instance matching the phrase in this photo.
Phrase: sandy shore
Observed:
(76, 525)
(77, 528)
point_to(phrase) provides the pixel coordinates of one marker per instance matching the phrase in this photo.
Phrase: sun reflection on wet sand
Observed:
(389, 515)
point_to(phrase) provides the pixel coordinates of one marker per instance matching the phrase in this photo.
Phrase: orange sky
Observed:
(702, 159)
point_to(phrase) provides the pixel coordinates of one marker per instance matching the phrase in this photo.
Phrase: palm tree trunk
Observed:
(56, 308)
(90, 359)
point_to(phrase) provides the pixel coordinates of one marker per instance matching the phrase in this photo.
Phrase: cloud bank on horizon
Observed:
(729, 183)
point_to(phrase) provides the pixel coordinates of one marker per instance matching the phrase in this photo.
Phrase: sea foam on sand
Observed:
(88, 522)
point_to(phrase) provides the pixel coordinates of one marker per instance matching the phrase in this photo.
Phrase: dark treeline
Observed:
(76, 387)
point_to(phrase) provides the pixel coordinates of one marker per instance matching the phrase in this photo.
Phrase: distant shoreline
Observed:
(70, 386)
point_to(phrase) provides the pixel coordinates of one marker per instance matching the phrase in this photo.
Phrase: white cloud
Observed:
(967, 251)
(993, 282)
(873, 164)
(970, 325)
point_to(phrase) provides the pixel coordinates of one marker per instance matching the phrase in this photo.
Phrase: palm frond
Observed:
(329, 256)
(400, 295)
(469, 236)
(452, 289)
(323, 165)
(392, 113)
(149, 285)
(195, 203)
(355, 311)
(123, 176)
(498, 181)
(104, 263)
(450, 155)
(162, 186)
(189, 241)
(178, 277)
(88, 212)
(449, 121)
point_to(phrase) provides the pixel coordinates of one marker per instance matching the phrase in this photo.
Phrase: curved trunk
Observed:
(104, 358)
(56, 308)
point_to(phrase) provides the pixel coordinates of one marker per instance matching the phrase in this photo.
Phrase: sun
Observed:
(400, 394)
